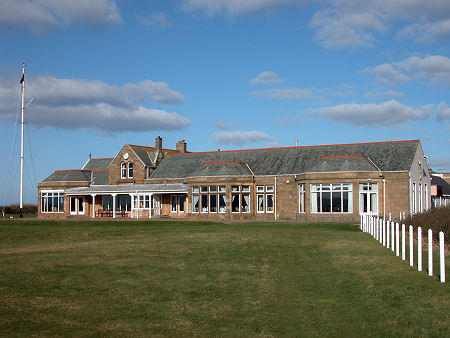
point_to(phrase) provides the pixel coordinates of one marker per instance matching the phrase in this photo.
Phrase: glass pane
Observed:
(315, 187)
(73, 204)
(337, 186)
(212, 188)
(336, 202)
(195, 203)
(195, 189)
(260, 203)
(326, 187)
(204, 202)
(173, 203)
(245, 188)
(269, 188)
(260, 188)
(222, 188)
(235, 188)
(374, 203)
(61, 203)
(235, 202)
(326, 202)
(212, 203)
(315, 201)
(269, 202)
(204, 188)
(245, 202)
(222, 203)
(130, 169)
(347, 186)
(181, 203)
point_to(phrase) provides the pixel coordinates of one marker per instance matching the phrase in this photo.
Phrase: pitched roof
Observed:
(148, 154)
(129, 189)
(69, 176)
(97, 164)
(387, 156)
(439, 181)
(100, 177)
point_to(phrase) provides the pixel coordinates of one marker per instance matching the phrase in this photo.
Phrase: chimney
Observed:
(158, 144)
(181, 146)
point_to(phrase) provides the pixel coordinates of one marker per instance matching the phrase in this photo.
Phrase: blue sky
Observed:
(220, 74)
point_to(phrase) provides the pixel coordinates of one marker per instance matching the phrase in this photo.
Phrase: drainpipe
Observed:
(275, 199)
(384, 198)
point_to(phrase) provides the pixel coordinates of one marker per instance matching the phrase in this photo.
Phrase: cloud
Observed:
(284, 94)
(223, 125)
(426, 32)
(265, 78)
(157, 19)
(443, 112)
(240, 137)
(433, 68)
(71, 104)
(439, 163)
(234, 7)
(387, 114)
(39, 16)
(388, 93)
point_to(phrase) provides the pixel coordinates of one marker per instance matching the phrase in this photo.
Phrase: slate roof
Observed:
(100, 177)
(69, 176)
(148, 154)
(97, 164)
(387, 156)
(129, 189)
(222, 169)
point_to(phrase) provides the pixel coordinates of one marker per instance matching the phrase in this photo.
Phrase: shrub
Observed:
(14, 209)
(437, 219)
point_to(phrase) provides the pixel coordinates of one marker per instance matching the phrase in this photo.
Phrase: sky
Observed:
(219, 74)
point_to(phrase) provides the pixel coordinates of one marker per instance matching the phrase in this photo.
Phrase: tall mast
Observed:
(22, 81)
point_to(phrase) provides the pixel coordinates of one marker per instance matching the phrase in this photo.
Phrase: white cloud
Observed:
(284, 94)
(70, 104)
(38, 16)
(443, 112)
(157, 19)
(388, 93)
(433, 68)
(234, 7)
(439, 163)
(265, 78)
(387, 74)
(223, 125)
(371, 114)
(426, 32)
(240, 137)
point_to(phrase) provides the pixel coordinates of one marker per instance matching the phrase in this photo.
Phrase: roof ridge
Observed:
(154, 148)
(340, 156)
(299, 147)
(104, 158)
(82, 170)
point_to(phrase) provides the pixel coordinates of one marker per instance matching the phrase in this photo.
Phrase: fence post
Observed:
(411, 246)
(403, 243)
(388, 234)
(384, 231)
(442, 254)
(393, 236)
(380, 233)
(377, 228)
(430, 252)
(397, 239)
(419, 248)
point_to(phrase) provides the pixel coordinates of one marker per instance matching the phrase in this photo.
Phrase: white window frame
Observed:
(130, 169)
(239, 206)
(267, 204)
(248, 204)
(59, 194)
(218, 203)
(320, 190)
(193, 203)
(172, 199)
(259, 188)
(301, 198)
(257, 204)
(123, 170)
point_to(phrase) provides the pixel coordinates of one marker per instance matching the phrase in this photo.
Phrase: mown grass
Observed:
(207, 279)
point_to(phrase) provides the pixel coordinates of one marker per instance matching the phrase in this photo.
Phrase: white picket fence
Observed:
(388, 233)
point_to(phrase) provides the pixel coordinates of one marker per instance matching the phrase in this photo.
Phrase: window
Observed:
(130, 169)
(269, 203)
(420, 197)
(204, 202)
(425, 190)
(260, 202)
(235, 188)
(222, 188)
(107, 202)
(204, 188)
(269, 188)
(368, 198)
(195, 190)
(235, 202)
(195, 203)
(181, 203)
(301, 198)
(141, 202)
(222, 203)
(212, 188)
(331, 198)
(123, 202)
(414, 198)
(173, 203)
(212, 203)
(123, 170)
(52, 201)
(260, 188)
(245, 203)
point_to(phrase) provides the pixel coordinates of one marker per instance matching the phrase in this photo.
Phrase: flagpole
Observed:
(22, 81)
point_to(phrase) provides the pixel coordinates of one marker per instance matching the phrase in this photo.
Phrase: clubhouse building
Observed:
(305, 183)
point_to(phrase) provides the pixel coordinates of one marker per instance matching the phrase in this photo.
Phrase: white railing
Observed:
(389, 233)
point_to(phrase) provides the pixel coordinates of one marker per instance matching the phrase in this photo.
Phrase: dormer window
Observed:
(130, 169)
(123, 170)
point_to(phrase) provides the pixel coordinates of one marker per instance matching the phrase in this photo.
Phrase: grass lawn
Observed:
(207, 279)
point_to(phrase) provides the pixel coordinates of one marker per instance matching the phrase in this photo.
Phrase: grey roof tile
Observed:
(388, 156)
(97, 164)
(69, 176)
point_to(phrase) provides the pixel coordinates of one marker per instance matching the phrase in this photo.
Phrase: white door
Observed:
(368, 199)
(77, 205)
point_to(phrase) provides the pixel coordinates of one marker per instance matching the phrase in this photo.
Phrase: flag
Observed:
(23, 78)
